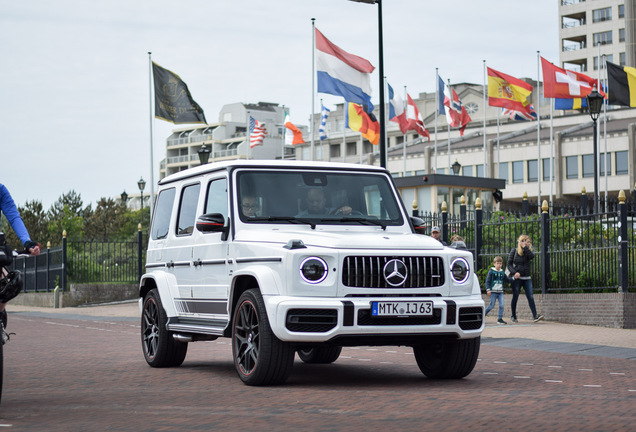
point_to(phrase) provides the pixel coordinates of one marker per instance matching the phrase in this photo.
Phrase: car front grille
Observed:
(367, 271)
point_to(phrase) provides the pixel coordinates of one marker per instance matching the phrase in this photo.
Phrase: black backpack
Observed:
(6, 252)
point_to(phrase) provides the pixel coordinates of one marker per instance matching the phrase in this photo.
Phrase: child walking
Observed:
(494, 288)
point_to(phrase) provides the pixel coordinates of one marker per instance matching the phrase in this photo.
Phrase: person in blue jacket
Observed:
(495, 288)
(10, 211)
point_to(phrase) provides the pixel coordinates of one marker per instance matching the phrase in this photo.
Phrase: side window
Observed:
(217, 197)
(163, 210)
(188, 209)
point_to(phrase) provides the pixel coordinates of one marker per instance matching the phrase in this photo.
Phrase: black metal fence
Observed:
(575, 251)
(79, 261)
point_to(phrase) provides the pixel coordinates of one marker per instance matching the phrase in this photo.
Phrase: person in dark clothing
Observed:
(519, 267)
(495, 288)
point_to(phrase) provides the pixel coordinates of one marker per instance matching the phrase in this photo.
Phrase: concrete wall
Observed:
(615, 310)
(80, 294)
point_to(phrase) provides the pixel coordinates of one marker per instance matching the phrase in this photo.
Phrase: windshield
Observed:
(317, 197)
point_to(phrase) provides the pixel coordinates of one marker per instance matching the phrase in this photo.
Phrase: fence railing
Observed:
(575, 251)
(79, 261)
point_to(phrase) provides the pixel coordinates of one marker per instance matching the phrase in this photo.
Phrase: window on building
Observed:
(610, 58)
(334, 150)
(367, 147)
(443, 195)
(621, 11)
(588, 165)
(621, 163)
(621, 35)
(440, 171)
(503, 171)
(572, 167)
(352, 148)
(622, 59)
(480, 171)
(533, 172)
(604, 14)
(603, 38)
(546, 169)
(517, 172)
(606, 160)
(467, 170)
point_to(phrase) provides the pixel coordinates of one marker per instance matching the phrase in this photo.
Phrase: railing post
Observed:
(415, 212)
(64, 261)
(479, 215)
(48, 266)
(584, 201)
(623, 262)
(545, 246)
(444, 222)
(524, 204)
(462, 213)
(139, 252)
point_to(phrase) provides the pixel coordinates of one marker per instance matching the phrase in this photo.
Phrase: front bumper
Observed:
(348, 321)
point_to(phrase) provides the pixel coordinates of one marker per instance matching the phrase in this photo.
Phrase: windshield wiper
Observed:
(289, 219)
(362, 220)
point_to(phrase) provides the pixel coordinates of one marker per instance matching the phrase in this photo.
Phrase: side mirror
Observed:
(211, 222)
(418, 225)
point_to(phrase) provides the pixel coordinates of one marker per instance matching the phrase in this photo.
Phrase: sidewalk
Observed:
(493, 334)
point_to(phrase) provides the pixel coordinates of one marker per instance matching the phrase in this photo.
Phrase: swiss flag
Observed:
(563, 83)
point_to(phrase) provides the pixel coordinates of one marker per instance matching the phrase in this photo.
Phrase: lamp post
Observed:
(594, 103)
(204, 154)
(124, 197)
(142, 184)
(456, 167)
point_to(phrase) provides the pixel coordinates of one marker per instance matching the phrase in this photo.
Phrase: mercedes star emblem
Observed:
(395, 272)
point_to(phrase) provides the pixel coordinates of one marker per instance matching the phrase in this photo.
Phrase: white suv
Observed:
(286, 257)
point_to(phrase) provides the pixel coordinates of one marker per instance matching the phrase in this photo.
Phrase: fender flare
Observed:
(163, 281)
(268, 281)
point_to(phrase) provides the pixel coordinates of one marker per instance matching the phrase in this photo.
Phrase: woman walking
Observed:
(519, 267)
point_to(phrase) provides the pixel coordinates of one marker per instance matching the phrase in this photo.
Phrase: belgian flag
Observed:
(621, 85)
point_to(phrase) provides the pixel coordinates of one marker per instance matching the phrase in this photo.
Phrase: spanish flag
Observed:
(507, 91)
(357, 119)
(621, 85)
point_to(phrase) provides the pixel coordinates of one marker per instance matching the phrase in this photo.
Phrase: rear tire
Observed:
(448, 360)
(159, 347)
(322, 355)
(260, 358)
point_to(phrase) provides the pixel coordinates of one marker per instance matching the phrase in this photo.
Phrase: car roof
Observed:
(290, 164)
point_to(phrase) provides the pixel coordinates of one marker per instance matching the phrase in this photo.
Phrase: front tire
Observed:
(448, 360)
(159, 347)
(322, 355)
(260, 358)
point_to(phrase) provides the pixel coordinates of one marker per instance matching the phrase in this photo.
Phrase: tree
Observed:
(107, 222)
(66, 214)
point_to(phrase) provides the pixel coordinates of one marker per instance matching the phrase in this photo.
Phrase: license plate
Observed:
(401, 308)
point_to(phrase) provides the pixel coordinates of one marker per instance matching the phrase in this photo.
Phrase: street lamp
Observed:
(124, 197)
(594, 103)
(204, 154)
(456, 167)
(142, 184)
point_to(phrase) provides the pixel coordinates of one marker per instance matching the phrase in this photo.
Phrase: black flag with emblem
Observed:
(173, 101)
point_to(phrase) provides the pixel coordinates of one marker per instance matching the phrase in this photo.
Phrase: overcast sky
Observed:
(74, 106)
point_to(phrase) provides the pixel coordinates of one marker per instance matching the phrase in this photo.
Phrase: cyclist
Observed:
(8, 207)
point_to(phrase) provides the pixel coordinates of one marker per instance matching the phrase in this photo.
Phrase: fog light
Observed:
(313, 270)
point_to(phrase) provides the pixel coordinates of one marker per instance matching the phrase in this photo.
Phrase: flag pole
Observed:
(550, 163)
(450, 97)
(344, 129)
(152, 125)
(538, 135)
(498, 154)
(284, 129)
(436, 109)
(484, 105)
(248, 137)
(313, 83)
(404, 137)
(605, 164)
(322, 144)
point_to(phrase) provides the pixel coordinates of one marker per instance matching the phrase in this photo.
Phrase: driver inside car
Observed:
(317, 205)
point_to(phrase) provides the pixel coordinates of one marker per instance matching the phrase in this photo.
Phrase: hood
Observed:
(342, 239)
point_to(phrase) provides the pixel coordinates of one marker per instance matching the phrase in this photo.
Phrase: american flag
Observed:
(323, 122)
(257, 132)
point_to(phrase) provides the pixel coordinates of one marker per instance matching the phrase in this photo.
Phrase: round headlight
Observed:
(460, 270)
(313, 270)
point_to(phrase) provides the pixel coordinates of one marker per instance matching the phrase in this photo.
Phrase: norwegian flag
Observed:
(257, 132)
(457, 116)
(414, 119)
